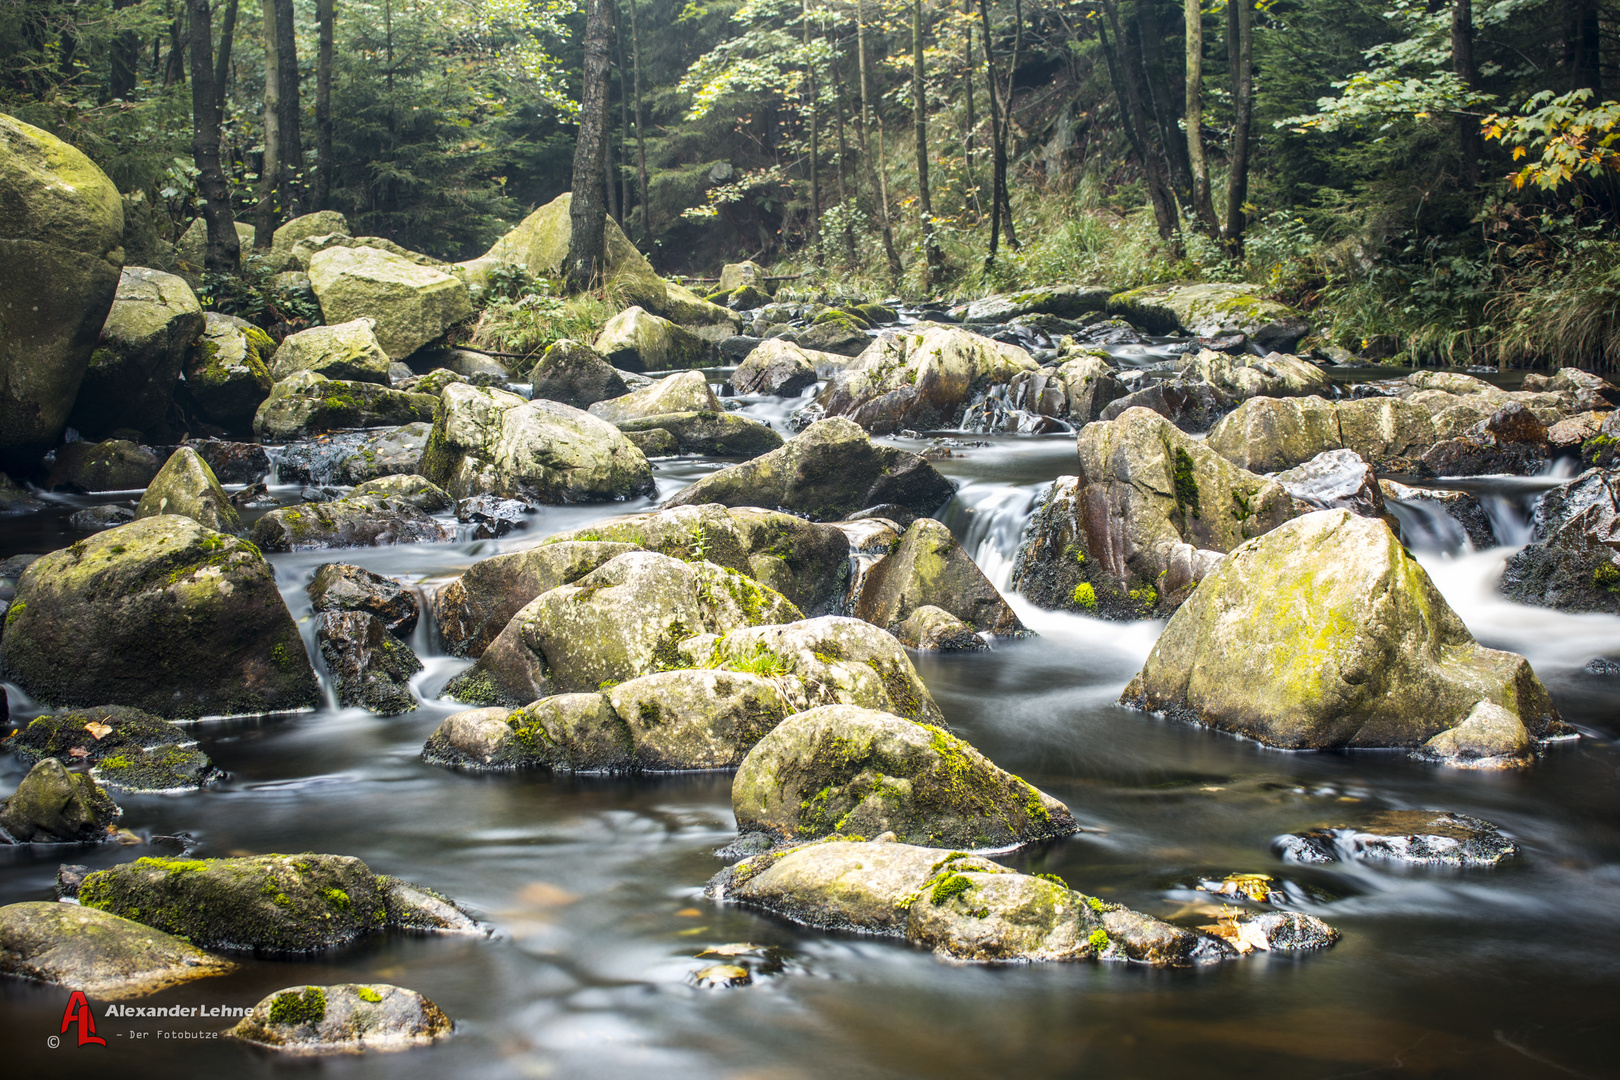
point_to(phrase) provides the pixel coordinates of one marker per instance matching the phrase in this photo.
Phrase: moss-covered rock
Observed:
(639, 341)
(186, 486)
(1269, 434)
(268, 904)
(685, 392)
(775, 367)
(930, 568)
(491, 442)
(1324, 632)
(154, 320)
(309, 403)
(228, 371)
(719, 434)
(61, 236)
(848, 771)
(932, 629)
(369, 666)
(345, 351)
(471, 610)
(419, 491)
(411, 304)
(1275, 375)
(355, 521)
(1575, 563)
(302, 254)
(111, 465)
(126, 749)
(54, 806)
(348, 1018)
(320, 223)
(341, 587)
(736, 275)
(575, 374)
(107, 957)
(1089, 386)
(393, 452)
(828, 471)
(161, 614)
(1190, 404)
(1212, 309)
(1064, 301)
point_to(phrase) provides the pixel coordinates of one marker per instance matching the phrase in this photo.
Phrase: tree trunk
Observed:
(868, 164)
(815, 140)
(175, 70)
(125, 59)
(265, 217)
(223, 253)
(1203, 206)
(585, 268)
(972, 124)
(291, 156)
(621, 211)
(641, 142)
(222, 64)
(325, 17)
(1000, 203)
(1239, 46)
(843, 156)
(1582, 44)
(1470, 144)
(1126, 90)
(1160, 101)
(919, 102)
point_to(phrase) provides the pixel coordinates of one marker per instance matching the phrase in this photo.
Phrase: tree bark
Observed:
(1239, 45)
(1000, 202)
(1160, 102)
(868, 163)
(223, 253)
(1582, 46)
(972, 124)
(1470, 144)
(1126, 90)
(843, 156)
(125, 59)
(641, 141)
(265, 217)
(222, 63)
(621, 211)
(814, 103)
(934, 258)
(587, 216)
(290, 129)
(175, 70)
(326, 18)
(1203, 205)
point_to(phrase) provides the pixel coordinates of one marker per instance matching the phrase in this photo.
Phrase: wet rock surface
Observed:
(343, 1019)
(1415, 837)
(1575, 563)
(54, 806)
(125, 749)
(107, 957)
(356, 521)
(341, 587)
(369, 667)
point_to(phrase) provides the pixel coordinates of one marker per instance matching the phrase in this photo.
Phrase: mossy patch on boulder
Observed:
(154, 320)
(411, 304)
(125, 749)
(54, 806)
(186, 486)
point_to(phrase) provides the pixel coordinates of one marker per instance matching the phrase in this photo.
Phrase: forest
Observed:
(1434, 183)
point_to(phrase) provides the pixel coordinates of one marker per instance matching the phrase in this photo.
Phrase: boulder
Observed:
(61, 231)
(341, 587)
(734, 276)
(369, 667)
(489, 441)
(1089, 386)
(154, 320)
(161, 614)
(340, 351)
(1489, 738)
(302, 254)
(1322, 633)
(320, 223)
(827, 471)
(54, 806)
(356, 521)
(113, 465)
(964, 907)
(125, 749)
(930, 568)
(471, 610)
(806, 562)
(1189, 404)
(932, 629)
(1416, 837)
(719, 434)
(775, 367)
(575, 374)
(186, 486)
(192, 247)
(273, 905)
(96, 518)
(841, 770)
(1149, 515)
(348, 1018)
(393, 452)
(15, 499)
(566, 732)
(309, 403)
(639, 341)
(920, 379)
(1063, 301)
(419, 491)
(228, 373)
(654, 442)
(1245, 376)
(1511, 440)
(1335, 479)
(233, 462)
(1213, 309)
(539, 244)
(411, 304)
(686, 392)
(107, 957)
(1574, 565)
(1269, 434)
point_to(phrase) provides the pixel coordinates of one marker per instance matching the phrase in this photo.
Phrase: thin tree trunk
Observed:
(292, 142)
(325, 17)
(1239, 44)
(1469, 142)
(1582, 47)
(125, 59)
(867, 162)
(175, 71)
(919, 102)
(972, 124)
(1000, 202)
(222, 64)
(622, 210)
(587, 216)
(641, 140)
(1203, 205)
(223, 253)
(265, 218)
(1165, 214)
(843, 156)
(1159, 98)
(815, 139)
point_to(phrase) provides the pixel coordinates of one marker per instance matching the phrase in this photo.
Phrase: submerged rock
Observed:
(341, 587)
(357, 521)
(847, 771)
(930, 568)
(54, 806)
(161, 614)
(186, 486)
(1326, 632)
(96, 518)
(1420, 837)
(107, 957)
(275, 905)
(344, 1019)
(829, 470)
(369, 667)
(126, 749)
(1575, 563)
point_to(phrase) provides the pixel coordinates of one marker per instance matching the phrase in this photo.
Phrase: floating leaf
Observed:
(737, 949)
(723, 975)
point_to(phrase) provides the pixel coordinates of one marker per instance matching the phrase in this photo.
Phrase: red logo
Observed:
(78, 1012)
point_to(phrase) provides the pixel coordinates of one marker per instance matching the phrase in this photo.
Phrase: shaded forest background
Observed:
(1436, 182)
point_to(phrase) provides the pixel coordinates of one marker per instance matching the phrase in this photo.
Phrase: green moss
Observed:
(1099, 939)
(173, 866)
(1085, 595)
(338, 899)
(763, 662)
(607, 684)
(366, 993)
(1186, 483)
(949, 886)
(1607, 576)
(1054, 879)
(1096, 904)
(1147, 596)
(650, 712)
(296, 1009)
(15, 612)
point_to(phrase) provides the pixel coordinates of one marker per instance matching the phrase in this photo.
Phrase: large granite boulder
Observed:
(841, 770)
(61, 236)
(639, 341)
(488, 441)
(228, 373)
(186, 486)
(575, 374)
(719, 434)
(411, 304)
(161, 614)
(1267, 434)
(362, 519)
(1324, 632)
(1213, 309)
(471, 610)
(1574, 565)
(687, 392)
(107, 957)
(825, 473)
(930, 568)
(1063, 301)
(775, 367)
(1240, 378)
(320, 223)
(154, 320)
(1149, 515)
(348, 350)
(309, 403)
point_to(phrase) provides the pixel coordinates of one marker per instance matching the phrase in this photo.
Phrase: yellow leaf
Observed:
(98, 729)
(1518, 152)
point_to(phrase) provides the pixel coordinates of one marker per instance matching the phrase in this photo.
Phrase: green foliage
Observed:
(297, 1009)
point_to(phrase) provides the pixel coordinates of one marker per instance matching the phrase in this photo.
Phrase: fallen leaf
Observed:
(1250, 932)
(545, 894)
(689, 913)
(740, 949)
(692, 932)
(1230, 934)
(78, 752)
(98, 729)
(723, 975)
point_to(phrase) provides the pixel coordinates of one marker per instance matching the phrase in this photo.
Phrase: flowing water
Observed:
(594, 884)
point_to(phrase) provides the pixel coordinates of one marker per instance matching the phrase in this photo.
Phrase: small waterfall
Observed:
(988, 520)
(1425, 526)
